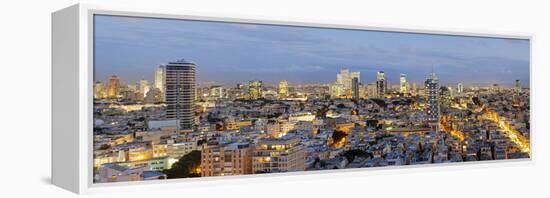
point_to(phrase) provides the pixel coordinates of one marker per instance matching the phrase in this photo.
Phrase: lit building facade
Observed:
(337, 90)
(255, 89)
(445, 96)
(159, 80)
(517, 87)
(226, 159)
(144, 87)
(432, 98)
(403, 83)
(283, 154)
(99, 90)
(113, 87)
(282, 90)
(180, 93)
(343, 87)
(381, 84)
(177, 149)
(371, 90)
(343, 78)
(414, 89)
(217, 92)
(460, 88)
(355, 87)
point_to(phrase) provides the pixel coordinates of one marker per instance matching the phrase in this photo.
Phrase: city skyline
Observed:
(345, 117)
(133, 47)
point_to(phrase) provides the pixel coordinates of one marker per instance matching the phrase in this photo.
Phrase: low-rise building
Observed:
(283, 154)
(226, 159)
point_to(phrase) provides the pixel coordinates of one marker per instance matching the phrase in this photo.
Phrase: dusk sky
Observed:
(230, 53)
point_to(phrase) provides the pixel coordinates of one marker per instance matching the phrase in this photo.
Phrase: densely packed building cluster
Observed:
(257, 128)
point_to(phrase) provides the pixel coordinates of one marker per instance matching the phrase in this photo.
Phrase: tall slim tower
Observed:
(432, 98)
(403, 83)
(159, 80)
(144, 87)
(355, 87)
(355, 74)
(255, 89)
(180, 93)
(113, 87)
(99, 90)
(517, 88)
(381, 84)
(282, 90)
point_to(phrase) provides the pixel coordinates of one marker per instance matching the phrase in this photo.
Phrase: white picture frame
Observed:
(72, 85)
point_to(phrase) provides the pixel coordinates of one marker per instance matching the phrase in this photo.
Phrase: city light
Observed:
(277, 135)
(446, 125)
(514, 135)
(246, 107)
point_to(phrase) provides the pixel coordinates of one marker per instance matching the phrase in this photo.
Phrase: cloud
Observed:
(134, 46)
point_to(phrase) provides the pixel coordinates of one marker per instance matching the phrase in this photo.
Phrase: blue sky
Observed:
(229, 53)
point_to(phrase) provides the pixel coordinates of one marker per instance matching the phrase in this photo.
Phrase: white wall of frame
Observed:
(26, 102)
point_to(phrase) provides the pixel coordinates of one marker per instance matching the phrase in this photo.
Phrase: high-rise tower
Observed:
(355, 87)
(432, 98)
(144, 87)
(282, 90)
(381, 84)
(255, 89)
(180, 93)
(113, 87)
(159, 80)
(403, 83)
(517, 87)
(99, 90)
(460, 88)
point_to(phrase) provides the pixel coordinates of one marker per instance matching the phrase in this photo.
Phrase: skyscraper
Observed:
(255, 89)
(180, 91)
(282, 90)
(381, 84)
(403, 83)
(445, 96)
(144, 87)
(460, 88)
(517, 88)
(371, 90)
(432, 98)
(343, 87)
(343, 78)
(113, 87)
(355, 87)
(159, 80)
(355, 75)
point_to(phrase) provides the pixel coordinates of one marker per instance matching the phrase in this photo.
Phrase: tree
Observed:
(322, 112)
(104, 147)
(352, 154)
(337, 135)
(379, 102)
(186, 166)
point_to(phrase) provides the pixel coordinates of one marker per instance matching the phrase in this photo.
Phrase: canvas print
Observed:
(178, 98)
